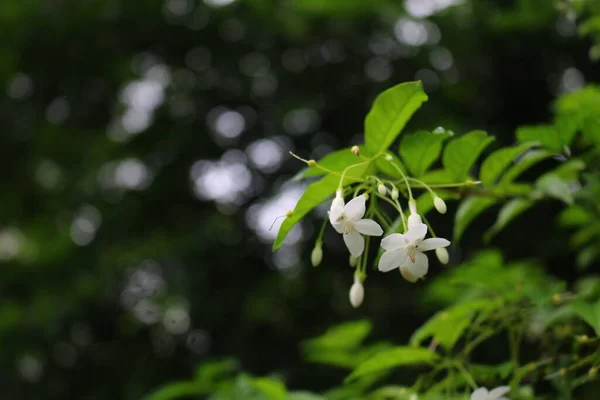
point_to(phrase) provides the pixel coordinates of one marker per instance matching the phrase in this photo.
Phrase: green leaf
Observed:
(437, 177)
(544, 135)
(448, 326)
(177, 390)
(395, 357)
(569, 171)
(468, 210)
(314, 195)
(528, 160)
(304, 396)
(272, 388)
(345, 336)
(554, 186)
(420, 150)
(461, 153)
(574, 216)
(507, 213)
(390, 112)
(498, 161)
(589, 312)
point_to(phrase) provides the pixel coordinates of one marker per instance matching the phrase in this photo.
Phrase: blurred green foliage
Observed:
(108, 250)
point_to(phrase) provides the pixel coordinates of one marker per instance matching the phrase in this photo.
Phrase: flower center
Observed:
(348, 226)
(411, 250)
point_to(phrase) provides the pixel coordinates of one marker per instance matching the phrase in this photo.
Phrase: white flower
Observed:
(347, 220)
(357, 292)
(405, 251)
(495, 394)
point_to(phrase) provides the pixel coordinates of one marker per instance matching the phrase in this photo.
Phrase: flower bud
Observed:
(381, 189)
(442, 255)
(389, 158)
(317, 255)
(593, 372)
(412, 206)
(414, 220)
(407, 274)
(311, 163)
(357, 293)
(353, 261)
(395, 194)
(440, 205)
(366, 196)
(355, 150)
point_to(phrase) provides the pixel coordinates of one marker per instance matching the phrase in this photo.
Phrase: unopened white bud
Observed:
(355, 150)
(442, 255)
(381, 189)
(412, 206)
(357, 293)
(407, 274)
(414, 220)
(316, 256)
(395, 194)
(353, 261)
(389, 158)
(440, 205)
(413, 397)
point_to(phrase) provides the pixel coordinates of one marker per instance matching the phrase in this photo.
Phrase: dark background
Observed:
(143, 157)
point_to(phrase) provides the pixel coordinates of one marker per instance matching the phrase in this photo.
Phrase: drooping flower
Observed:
(347, 220)
(495, 394)
(405, 251)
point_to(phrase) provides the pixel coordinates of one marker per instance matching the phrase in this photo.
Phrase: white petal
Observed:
(480, 394)
(368, 227)
(391, 259)
(355, 242)
(393, 242)
(355, 209)
(338, 226)
(421, 265)
(406, 274)
(498, 392)
(433, 243)
(416, 233)
(414, 220)
(336, 210)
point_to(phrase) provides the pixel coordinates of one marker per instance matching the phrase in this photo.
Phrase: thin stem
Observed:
(429, 226)
(410, 196)
(468, 377)
(397, 207)
(346, 170)
(326, 169)
(322, 231)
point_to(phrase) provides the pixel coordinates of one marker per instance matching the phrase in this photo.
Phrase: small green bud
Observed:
(395, 194)
(317, 255)
(381, 189)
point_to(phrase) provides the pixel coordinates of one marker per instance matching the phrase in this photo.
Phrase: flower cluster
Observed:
(403, 251)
